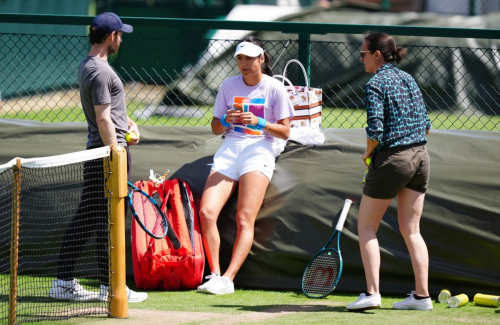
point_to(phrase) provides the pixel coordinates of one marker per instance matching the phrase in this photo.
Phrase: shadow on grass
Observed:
(298, 294)
(276, 309)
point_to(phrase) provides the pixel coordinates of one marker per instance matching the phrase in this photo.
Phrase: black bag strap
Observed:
(165, 206)
(188, 210)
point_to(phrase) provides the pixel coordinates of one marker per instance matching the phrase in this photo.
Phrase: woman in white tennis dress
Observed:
(253, 109)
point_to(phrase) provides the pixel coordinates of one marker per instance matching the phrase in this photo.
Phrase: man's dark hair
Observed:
(96, 37)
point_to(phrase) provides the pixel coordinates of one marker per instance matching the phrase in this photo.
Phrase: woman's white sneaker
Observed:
(212, 279)
(414, 304)
(365, 302)
(222, 287)
(217, 285)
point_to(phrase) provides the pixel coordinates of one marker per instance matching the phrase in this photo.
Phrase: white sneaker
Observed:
(212, 278)
(132, 295)
(365, 302)
(414, 304)
(71, 290)
(217, 285)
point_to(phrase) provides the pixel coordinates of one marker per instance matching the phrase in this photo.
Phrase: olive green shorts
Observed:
(393, 169)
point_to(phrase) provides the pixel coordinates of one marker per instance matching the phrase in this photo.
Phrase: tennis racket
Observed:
(324, 270)
(147, 213)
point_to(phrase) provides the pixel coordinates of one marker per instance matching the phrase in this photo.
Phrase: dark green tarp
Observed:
(460, 223)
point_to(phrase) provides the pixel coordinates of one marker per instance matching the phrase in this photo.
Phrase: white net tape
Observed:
(59, 160)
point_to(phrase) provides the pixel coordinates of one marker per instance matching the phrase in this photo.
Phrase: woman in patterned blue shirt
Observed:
(397, 126)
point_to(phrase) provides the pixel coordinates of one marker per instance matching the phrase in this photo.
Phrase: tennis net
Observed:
(55, 215)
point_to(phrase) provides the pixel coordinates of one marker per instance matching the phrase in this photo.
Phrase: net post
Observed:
(117, 185)
(14, 241)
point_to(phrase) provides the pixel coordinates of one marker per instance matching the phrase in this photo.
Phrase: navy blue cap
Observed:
(108, 22)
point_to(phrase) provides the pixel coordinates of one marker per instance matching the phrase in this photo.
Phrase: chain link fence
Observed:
(39, 73)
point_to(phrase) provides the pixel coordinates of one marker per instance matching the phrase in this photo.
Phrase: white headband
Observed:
(248, 49)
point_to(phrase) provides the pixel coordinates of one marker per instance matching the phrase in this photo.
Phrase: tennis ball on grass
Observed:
(129, 136)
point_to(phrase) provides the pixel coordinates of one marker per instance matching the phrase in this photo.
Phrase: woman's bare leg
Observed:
(218, 190)
(370, 215)
(410, 206)
(252, 189)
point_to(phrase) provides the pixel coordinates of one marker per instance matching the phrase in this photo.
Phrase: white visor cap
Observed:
(248, 49)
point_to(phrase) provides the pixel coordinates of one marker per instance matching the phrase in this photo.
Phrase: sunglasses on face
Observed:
(364, 52)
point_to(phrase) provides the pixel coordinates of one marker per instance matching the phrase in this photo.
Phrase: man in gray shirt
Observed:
(103, 101)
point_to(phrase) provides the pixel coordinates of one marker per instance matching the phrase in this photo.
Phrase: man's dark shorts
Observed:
(393, 169)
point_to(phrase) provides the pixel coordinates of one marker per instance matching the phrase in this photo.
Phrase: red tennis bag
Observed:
(157, 264)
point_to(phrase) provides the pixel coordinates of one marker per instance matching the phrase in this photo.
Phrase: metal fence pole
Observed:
(473, 8)
(305, 58)
(386, 5)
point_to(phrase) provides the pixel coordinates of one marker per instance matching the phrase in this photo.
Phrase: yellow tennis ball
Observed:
(130, 135)
(368, 161)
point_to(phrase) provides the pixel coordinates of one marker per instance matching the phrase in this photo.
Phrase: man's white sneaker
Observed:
(71, 290)
(212, 278)
(365, 302)
(132, 295)
(414, 304)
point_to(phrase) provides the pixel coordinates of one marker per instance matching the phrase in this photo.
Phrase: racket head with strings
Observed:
(323, 272)
(147, 213)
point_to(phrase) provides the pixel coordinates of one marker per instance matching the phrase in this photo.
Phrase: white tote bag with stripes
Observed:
(305, 126)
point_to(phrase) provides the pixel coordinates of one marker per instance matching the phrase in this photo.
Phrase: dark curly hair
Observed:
(95, 36)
